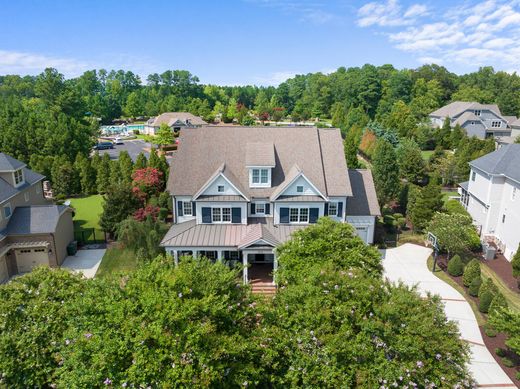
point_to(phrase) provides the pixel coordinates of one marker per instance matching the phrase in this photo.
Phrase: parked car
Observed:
(118, 141)
(104, 146)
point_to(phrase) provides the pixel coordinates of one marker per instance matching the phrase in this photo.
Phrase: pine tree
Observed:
(115, 173)
(126, 166)
(351, 146)
(428, 201)
(386, 172)
(65, 181)
(103, 174)
(141, 162)
(87, 174)
(411, 163)
(154, 160)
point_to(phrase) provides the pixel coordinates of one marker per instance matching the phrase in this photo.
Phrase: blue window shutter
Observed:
(314, 213)
(326, 213)
(193, 208)
(340, 209)
(206, 214)
(284, 215)
(253, 208)
(267, 208)
(236, 215)
(180, 211)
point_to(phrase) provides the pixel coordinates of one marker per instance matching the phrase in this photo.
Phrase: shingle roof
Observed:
(457, 107)
(35, 219)
(9, 164)
(190, 234)
(505, 162)
(260, 154)
(364, 201)
(317, 152)
(7, 190)
(516, 123)
(465, 117)
(464, 185)
(171, 117)
(510, 119)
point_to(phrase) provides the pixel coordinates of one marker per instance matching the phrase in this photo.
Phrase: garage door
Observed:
(3, 270)
(28, 259)
(362, 233)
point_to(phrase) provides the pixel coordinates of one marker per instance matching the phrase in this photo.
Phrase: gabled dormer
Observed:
(12, 170)
(260, 161)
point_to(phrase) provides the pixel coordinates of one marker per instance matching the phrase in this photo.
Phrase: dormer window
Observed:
(496, 124)
(299, 189)
(220, 188)
(260, 177)
(18, 177)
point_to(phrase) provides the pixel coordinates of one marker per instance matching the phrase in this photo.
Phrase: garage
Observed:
(362, 233)
(27, 259)
(4, 275)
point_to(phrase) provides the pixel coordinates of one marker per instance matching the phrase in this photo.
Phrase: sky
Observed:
(262, 42)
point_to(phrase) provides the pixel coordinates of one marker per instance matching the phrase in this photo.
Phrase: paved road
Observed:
(85, 262)
(133, 146)
(408, 264)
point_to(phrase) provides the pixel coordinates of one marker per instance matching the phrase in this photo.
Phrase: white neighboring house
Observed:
(492, 197)
(480, 120)
(175, 120)
(238, 192)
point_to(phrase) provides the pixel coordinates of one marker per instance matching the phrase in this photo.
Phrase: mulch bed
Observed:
(492, 343)
(502, 267)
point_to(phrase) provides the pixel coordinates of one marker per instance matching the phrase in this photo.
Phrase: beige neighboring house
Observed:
(33, 231)
(239, 198)
(480, 120)
(175, 120)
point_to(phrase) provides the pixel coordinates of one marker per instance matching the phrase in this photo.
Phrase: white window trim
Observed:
(298, 187)
(260, 184)
(221, 215)
(22, 178)
(219, 187)
(494, 122)
(261, 203)
(8, 205)
(335, 204)
(300, 215)
(184, 211)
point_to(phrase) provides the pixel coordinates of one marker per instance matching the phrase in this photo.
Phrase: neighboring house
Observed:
(175, 120)
(32, 231)
(492, 197)
(480, 120)
(239, 192)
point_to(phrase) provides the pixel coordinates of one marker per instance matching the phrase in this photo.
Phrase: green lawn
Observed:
(87, 212)
(116, 259)
(426, 154)
(446, 195)
(513, 299)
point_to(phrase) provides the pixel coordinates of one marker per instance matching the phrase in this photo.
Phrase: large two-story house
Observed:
(33, 231)
(175, 120)
(492, 197)
(480, 120)
(239, 192)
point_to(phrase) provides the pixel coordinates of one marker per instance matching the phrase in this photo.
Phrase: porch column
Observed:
(195, 253)
(245, 262)
(219, 255)
(275, 267)
(176, 257)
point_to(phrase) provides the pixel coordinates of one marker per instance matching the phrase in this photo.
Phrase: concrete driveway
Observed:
(407, 263)
(85, 262)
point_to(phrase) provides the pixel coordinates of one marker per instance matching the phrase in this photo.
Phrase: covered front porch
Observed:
(260, 263)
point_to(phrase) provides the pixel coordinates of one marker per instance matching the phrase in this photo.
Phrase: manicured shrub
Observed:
(500, 352)
(508, 362)
(490, 331)
(455, 266)
(498, 302)
(485, 301)
(475, 286)
(486, 286)
(471, 271)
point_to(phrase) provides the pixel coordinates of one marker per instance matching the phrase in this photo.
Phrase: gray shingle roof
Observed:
(7, 190)
(457, 107)
(260, 154)
(171, 117)
(35, 219)
(505, 162)
(317, 152)
(465, 117)
(9, 164)
(464, 185)
(364, 201)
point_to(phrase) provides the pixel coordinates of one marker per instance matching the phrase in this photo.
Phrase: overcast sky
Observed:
(255, 41)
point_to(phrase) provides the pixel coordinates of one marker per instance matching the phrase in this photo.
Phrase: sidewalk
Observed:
(407, 263)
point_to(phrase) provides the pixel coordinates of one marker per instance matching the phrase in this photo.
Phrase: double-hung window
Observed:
(221, 215)
(18, 177)
(298, 215)
(496, 124)
(256, 176)
(293, 215)
(187, 208)
(304, 215)
(259, 177)
(264, 176)
(260, 208)
(333, 209)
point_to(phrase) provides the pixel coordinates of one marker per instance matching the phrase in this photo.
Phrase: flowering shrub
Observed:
(150, 210)
(147, 182)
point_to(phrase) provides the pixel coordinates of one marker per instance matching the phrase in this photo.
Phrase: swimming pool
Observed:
(114, 130)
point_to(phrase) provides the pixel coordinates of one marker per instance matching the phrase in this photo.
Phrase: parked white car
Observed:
(118, 141)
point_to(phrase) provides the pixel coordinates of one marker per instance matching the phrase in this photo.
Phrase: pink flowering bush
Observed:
(147, 182)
